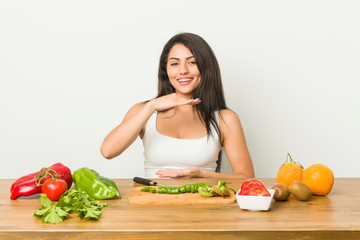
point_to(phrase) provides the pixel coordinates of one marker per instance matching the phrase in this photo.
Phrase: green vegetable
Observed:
(173, 190)
(149, 189)
(182, 189)
(162, 189)
(110, 183)
(221, 183)
(189, 188)
(220, 191)
(50, 212)
(204, 189)
(71, 201)
(96, 186)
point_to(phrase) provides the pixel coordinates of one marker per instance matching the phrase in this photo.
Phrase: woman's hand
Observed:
(180, 173)
(195, 172)
(170, 101)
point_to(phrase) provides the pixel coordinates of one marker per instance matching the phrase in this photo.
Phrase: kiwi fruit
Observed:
(282, 192)
(300, 190)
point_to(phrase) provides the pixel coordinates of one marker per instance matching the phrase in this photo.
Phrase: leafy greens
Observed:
(72, 200)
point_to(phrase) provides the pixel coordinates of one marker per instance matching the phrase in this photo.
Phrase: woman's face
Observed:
(182, 70)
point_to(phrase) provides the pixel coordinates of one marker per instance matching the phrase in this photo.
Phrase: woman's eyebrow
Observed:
(174, 58)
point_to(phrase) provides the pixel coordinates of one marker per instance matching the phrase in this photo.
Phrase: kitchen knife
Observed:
(145, 181)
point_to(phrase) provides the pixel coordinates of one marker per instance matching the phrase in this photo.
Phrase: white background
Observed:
(70, 70)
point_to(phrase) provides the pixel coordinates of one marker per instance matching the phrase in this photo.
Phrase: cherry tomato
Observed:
(54, 189)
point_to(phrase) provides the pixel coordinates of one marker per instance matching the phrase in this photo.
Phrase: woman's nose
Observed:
(183, 68)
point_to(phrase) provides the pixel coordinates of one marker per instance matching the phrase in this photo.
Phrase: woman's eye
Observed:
(192, 62)
(173, 64)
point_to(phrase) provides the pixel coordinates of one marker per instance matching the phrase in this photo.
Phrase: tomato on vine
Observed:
(54, 188)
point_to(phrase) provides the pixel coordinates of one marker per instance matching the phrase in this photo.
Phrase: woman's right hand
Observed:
(170, 101)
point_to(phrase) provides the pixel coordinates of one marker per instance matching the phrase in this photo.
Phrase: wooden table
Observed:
(335, 216)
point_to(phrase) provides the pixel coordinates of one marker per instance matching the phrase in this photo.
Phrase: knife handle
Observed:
(144, 181)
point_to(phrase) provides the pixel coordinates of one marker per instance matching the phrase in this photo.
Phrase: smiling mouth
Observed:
(184, 80)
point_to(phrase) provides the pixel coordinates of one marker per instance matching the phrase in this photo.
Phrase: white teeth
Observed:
(184, 80)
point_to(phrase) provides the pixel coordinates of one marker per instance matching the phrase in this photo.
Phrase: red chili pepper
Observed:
(32, 183)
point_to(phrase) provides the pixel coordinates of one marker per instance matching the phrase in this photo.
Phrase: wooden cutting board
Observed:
(138, 197)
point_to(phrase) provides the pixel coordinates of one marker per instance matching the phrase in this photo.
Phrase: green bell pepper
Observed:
(97, 186)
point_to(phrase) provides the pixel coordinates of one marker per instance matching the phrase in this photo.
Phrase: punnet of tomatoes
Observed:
(254, 196)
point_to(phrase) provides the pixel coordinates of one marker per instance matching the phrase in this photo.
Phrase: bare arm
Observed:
(235, 145)
(235, 148)
(133, 124)
(127, 131)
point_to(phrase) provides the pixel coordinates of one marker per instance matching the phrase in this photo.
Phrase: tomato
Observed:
(254, 188)
(54, 189)
(258, 190)
(245, 186)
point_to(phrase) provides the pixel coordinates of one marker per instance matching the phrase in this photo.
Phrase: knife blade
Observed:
(145, 181)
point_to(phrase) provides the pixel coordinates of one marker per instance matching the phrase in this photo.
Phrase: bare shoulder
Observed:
(229, 123)
(230, 127)
(228, 118)
(139, 105)
(136, 108)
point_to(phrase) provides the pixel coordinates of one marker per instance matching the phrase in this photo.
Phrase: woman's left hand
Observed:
(180, 173)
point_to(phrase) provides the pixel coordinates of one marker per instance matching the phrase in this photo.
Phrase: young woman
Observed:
(185, 128)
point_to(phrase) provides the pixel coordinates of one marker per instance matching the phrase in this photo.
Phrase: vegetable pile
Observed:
(204, 189)
(32, 183)
(54, 183)
(72, 201)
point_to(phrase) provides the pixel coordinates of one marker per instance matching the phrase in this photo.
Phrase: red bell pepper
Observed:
(29, 184)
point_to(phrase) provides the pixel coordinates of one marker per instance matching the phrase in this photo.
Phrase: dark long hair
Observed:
(210, 89)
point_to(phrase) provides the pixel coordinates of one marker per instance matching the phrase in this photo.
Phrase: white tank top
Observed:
(163, 152)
